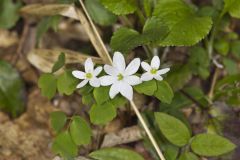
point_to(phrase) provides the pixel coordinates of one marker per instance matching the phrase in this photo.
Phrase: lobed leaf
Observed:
(186, 28)
(80, 131)
(66, 83)
(58, 120)
(64, 145)
(101, 114)
(48, 84)
(99, 14)
(233, 7)
(120, 7)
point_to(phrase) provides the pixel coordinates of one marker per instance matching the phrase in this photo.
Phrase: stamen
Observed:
(89, 75)
(153, 71)
(120, 77)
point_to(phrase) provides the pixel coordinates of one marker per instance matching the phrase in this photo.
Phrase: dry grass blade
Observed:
(40, 10)
(44, 59)
(94, 37)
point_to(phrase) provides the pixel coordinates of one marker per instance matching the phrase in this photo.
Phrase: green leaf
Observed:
(115, 154)
(9, 13)
(186, 27)
(85, 90)
(164, 92)
(118, 101)
(80, 131)
(102, 114)
(235, 49)
(64, 145)
(58, 120)
(148, 87)
(11, 90)
(66, 83)
(188, 156)
(231, 66)
(120, 7)
(154, 31)
(173, 129)
(179, 76)
(99, 14)
(171, 152)
(222, 46)
(125, 39)
(87, 99)
(211, 145)
(48, 84)
(199, 62)
(60, 63)
(233, 7)
(101, 94)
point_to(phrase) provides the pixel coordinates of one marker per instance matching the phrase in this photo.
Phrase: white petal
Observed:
(158, 77)
(111, 70)
(163, 71)
(114, 90)
(146, 66)
(133, 66)
(119, 61)
(132, 80)
(83, 83)
(79, 74)
(155, 63)
(146, 76)
(97, 71)
(107, 80)
(95, 82)
(126, 90)
(88, 65)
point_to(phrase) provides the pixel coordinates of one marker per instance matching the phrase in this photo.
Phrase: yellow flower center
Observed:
(153, 71)
(120, 77)
(89, 75)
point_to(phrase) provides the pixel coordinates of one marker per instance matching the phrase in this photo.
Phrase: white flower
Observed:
(121, 77)
(90, 74)
(153, 70)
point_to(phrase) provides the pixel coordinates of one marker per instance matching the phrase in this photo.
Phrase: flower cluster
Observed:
(119, 76)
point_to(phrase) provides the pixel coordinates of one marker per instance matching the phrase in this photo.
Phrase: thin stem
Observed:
(149, 134)
(214, 80)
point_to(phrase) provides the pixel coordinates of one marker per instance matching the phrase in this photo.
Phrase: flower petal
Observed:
(111, 70)
(133, 66)
(88, 65)
(97, 71)
(163, 71)
(79, 74)
(114, 90)
(158, 77)
(132, 80)
(119, 61)
(126, 90)
(83, 83)
(107, 80)
(146, 76)
(146, 66)
(155, 63)
(95, 82)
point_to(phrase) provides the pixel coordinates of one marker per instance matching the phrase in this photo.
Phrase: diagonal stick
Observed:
(149, 134)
